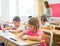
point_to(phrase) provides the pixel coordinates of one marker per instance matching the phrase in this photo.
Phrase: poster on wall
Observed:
(55, 6)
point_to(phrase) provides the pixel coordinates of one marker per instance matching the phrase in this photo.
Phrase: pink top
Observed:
(30, 33)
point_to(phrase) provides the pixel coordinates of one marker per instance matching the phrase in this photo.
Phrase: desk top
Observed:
(19, 41)
(55, 22)
(27, 42)
(57, 27)
(57, 32)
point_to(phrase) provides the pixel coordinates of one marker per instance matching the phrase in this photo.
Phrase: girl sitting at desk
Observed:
(18, 27)
(34, 32)
(44, 23)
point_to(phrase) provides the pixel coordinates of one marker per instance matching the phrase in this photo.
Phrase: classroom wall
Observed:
(5, 10)
(40, 8)
(54, 1)
(55, 6)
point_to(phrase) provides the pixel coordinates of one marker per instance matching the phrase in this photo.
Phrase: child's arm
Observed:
(17, 30)
(7, 28)
(22, 34)
(37, 38)
(48, 27)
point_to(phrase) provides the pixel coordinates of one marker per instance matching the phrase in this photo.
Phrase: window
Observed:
(26, 8)
(21, 8)
(0, 7)
(12, 9)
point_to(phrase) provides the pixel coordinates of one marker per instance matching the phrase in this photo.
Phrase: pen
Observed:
(13, 39)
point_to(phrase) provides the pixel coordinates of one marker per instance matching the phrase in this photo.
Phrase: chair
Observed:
(53, 27)
(58, 44)
(49, 38)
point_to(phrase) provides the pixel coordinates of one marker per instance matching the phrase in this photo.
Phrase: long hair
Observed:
(46, 4)
(35, 22)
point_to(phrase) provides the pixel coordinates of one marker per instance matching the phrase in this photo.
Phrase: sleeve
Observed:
(47, 24)
(41, 32)
(22, 28)
(27, 32)
(49, 12)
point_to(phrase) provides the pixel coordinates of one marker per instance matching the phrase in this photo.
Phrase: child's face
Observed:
(42, 22)
(31, 27)
(16, 23)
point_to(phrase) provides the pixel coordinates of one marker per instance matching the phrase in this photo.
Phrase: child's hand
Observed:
(3, 29)
(7, 28)
(25, 37)
(20, 35)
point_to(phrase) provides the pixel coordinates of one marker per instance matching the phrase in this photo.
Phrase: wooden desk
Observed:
(3, 40)
(19, 42)
(55, 22)
(57, 32)
(25, 42)
(58, 44)
(57, 27)
(56, 35)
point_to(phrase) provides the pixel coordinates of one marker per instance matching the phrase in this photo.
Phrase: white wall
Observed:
(4, 10)
(53, 1)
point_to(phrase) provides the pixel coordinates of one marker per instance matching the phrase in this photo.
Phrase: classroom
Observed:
(29, 22)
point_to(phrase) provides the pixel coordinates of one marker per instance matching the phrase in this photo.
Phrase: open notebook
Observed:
(7, 34)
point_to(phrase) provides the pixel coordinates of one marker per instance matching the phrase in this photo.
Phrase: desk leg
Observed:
(6, 43)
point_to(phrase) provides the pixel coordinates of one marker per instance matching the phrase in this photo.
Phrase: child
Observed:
(44, 24)
(18, 27)
(34, 32)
